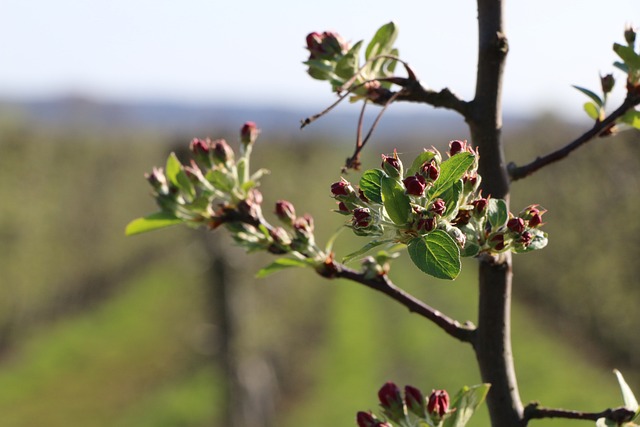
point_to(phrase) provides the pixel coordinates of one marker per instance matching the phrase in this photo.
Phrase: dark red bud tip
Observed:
(536, 220)
(438, 207)
(516, 225)
(341, 188)
(285, 211)
(362, 218)
(438, 403)
(414, 399)
(607, 82)
(415, 185)
(390, 396)
(430, 171)
(479, 205)
(366, 419)
(222, 152)
(249, 133)
(457, 146)
(199, 146)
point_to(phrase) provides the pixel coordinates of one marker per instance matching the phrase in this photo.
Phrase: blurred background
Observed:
(171, 328)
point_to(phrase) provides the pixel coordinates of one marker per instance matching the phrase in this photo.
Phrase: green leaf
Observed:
(177, 176)
(466, 401)
(220, 180)
(422, 158)
(281, 264)
(151, 222)
(396, 202)
(591, 95)
(498, 213)
(632, 118)
(451, 170)
(628, 55)
(370, 184)
(621, 66)
(366, 248)
(436, 254)
(349, 64)
(451, 198)
(630, 401)
(592, 110)
(382, 41)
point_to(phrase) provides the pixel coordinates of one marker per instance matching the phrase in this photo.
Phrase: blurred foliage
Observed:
(101, 330)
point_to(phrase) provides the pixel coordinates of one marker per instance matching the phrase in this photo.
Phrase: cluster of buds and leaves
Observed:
(436, 209)
(217, 189)
(332, 59)
(435, 410)
(630, 65)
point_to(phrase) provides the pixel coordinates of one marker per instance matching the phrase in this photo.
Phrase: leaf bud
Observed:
(607, 82)
(285, 212)
(392, 165)
(438, 404)
(249, 133)
(415, 185)
(415, 401)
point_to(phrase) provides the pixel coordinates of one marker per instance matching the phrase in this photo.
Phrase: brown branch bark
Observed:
(618, 415)
(463, 332)
(493, 337)
(519, 172)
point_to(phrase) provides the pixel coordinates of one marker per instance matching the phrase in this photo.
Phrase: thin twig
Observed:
(410, 73)
(618, 415)
(519, 172)
(463, 332)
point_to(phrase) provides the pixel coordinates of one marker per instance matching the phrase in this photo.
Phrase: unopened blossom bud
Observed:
(630, 36)
(497, 242)
(536, 220)
(607, 82)
(304, 225)
(366, 419)
(391, 401)
(415, 185)
(222, 153)
(516, 225)
(438, 403)
(342, 188)
(362, 218)
(392, 165)
(438, 207)
(456, 147)
(430, 171)
(343, 209)
(158, 180)
(479, 205)
(281, 241)
(249, 133)
(415, 401)
(285, 212)
(525, 239)
(528, 212)
(361, 196)
(326, 45)
(201, 151)
(426, 224)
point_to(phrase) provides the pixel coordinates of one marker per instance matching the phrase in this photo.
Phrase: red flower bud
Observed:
(362, 218)
(430, 171)
(438, 403)
(366, 419)
(536, 220)
(516, 225)
(343, 208)
(525, 238)
(389, 395)
(392, 165)
(249, 133)
(438, 207)
(342, 188)
(415, 185)
(497, 242)
(285, 212)
(326, 45)
(199, 146)
(415, 400)
(607, 82)
(479, 205)
(630, 36)
(456, 147)
(426, 224)
(222, 153)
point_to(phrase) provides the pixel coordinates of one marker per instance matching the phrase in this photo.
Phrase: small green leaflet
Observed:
(592, 110)
(281, 264)
(382, 41)
(632, 118)
(436, 254)
(178, 177)
(366, 248)
(628, 55)
(591, 95)
(466, 401)
(370, 184)
(348, 65)
(151, 222)
(422, 158)
(498, 213)
(451, 170)
(396, 202)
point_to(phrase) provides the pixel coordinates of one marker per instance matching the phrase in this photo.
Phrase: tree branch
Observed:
(618, 415)
(381, 283)
(519, 172)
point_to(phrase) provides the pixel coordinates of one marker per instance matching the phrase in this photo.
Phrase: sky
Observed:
(251, 52)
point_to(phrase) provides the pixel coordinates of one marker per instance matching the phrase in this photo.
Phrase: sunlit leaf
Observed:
(421, 159)
(366, 248)
(436, 254)
(349, 64)
(632, 118)
(466, 401)
(382, 41)
(370, 184)
(628, 55)
(177, 176)
(451, 170)
(592, 110)
(498, 213)
(630, 401)
(151, 222)
(396, 202)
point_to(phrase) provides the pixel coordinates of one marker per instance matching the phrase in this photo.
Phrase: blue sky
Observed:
(251, 51)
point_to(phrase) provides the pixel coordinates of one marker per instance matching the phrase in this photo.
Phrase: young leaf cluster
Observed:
(436, 210)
